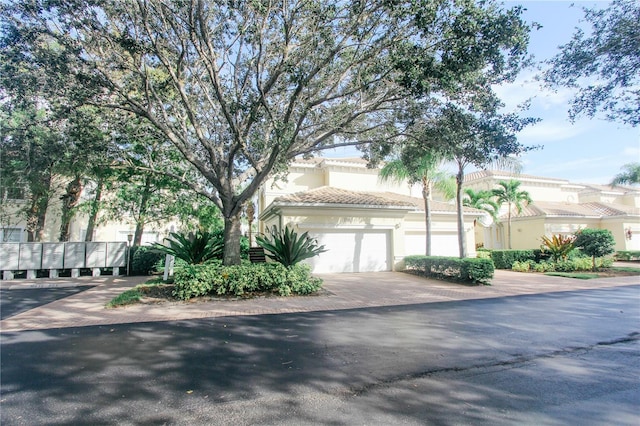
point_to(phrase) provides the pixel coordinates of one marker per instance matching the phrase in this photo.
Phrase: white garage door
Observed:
(442, 244)
(352, 251)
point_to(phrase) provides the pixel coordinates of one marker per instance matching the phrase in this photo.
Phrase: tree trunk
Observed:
(231, 253)
(37, 212)
(69, 202)
(95, 207)
(142, 216)
(426, 195)
(462, 244)
(509, 226)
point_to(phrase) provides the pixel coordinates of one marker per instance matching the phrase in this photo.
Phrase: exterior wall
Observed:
(619, 228)
(525, 233)
(444, 238)
(632, 199)
(299, 179)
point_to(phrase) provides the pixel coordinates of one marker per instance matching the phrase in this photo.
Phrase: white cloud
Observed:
(550, 130)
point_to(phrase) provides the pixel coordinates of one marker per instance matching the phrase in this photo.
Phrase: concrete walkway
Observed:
(343, 291)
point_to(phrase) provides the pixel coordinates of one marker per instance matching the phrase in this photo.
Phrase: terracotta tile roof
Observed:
(329, 195)
(481, 174)
(436, 206)
(590, 187)
(548, 208)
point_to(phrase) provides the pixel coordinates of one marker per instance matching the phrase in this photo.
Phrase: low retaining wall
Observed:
(33, 257)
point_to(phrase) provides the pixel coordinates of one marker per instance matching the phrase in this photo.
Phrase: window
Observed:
(11, 235)
(12, 193)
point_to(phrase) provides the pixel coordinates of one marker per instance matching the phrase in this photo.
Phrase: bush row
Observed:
(570, 265)
(504, 259)
(478, 271)
(237, 280)
(627, 255)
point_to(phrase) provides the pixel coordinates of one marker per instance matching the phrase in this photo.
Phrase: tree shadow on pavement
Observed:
(191, 372)
(16, 301)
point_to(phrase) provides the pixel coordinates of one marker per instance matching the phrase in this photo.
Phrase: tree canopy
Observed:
(629, 176)
(603, 64)
(242, 87)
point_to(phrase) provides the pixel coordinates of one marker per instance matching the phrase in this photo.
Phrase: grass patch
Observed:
(134, 295)
(626, 269)
(576, 275)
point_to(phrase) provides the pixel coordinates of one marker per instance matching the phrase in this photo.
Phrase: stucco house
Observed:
(560, 207)
(13, 224)
(366, 224)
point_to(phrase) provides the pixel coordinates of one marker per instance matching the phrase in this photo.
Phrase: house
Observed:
(364, 223)
(13, 223)
(560, 207)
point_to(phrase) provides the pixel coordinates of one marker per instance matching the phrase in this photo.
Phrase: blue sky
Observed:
(589, 150)
(586, 151)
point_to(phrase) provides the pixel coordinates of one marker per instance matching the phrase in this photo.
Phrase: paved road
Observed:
(556, 358)
(16, 301)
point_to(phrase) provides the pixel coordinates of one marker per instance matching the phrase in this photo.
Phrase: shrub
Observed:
(483, 253)
(627, 255)
(569, 265)
(286, 247)
(144, 260)
(522, 266)
(237, 280)
(558, 246)
(595, 243)
(196, 248)
(503, 259)
(465, 270)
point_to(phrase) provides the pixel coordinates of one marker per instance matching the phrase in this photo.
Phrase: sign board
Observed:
(116, 254)
(96, 255)
(74, 255)
(52, 255)
(30, 256)
(9, 255)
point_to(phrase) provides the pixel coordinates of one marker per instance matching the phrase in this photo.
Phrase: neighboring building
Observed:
(560, 207)
(13, 225)
(366, 224)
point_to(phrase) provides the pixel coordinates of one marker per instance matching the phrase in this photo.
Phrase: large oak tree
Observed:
(242, 87)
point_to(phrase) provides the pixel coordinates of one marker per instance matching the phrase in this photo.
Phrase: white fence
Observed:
(54, 257)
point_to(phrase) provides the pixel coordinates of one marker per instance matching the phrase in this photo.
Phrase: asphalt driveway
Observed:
(555, 358)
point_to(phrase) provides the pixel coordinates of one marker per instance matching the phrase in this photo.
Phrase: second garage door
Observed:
(352, 251)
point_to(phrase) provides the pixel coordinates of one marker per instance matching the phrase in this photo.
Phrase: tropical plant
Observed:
(630, 175)
(425, 170)
(481, 200)
(199, 247)
(287, 247)
(595, 243)
(558, 246)
(509, 193)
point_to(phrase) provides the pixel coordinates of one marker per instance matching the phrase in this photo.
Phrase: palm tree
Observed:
(481, 200)
(509, 193)
(631, 175)
(425, 170)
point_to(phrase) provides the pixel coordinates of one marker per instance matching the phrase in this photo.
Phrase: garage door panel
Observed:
(351, 251)
(442, 244)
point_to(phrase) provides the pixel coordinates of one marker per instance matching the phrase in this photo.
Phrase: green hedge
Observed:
(576, 264)
(477, 270)
(237, 280)
(627, 255)
(503, 259)
(144, 260)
